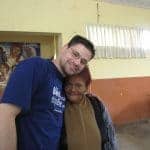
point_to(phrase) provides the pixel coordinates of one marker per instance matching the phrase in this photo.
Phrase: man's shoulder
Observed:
(35, 61)
(33, 64)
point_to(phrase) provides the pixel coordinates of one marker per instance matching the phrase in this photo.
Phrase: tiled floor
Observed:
(134, 136)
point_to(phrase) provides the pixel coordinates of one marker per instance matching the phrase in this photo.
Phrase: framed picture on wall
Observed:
(11, 53)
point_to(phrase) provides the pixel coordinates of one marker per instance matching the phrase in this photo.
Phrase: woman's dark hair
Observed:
(84, 74)
(82, 40)
(1, 50)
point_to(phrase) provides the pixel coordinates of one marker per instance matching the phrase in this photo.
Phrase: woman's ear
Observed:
(86, 91)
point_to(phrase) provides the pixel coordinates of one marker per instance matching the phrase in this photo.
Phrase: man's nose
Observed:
(78, 61)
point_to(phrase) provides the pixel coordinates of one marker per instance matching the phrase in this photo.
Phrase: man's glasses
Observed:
(76, 55)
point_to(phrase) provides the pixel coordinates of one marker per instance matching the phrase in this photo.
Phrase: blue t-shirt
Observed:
(36, 87)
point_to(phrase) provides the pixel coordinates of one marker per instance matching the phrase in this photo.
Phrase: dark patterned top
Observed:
(104, 123)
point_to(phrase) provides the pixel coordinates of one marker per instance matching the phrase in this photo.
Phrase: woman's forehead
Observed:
(76, 78)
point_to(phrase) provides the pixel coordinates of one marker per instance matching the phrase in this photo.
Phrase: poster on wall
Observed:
(11, 53)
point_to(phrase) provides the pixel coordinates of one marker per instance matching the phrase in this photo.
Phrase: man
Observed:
(34, 98)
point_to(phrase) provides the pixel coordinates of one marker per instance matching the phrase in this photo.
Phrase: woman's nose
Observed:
(73, 88)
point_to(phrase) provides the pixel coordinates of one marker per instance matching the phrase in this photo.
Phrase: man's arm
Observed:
(8, 136)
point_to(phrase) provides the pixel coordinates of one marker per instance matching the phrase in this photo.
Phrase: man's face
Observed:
(73, 59)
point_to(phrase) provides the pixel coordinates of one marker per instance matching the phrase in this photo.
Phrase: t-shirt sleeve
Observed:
(19, 87)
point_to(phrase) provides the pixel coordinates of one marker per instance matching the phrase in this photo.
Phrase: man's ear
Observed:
(65, 46)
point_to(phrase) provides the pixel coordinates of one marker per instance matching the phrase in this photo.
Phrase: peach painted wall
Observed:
(127, 99)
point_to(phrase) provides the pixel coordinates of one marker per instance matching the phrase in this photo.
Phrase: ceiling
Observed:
(135, 3)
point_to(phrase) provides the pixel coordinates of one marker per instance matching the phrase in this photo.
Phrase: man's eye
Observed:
(83, 61)
(76, 54)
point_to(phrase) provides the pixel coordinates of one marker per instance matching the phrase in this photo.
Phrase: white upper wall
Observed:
(69, 17)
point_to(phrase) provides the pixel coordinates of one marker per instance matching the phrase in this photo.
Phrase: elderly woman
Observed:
(87, 124)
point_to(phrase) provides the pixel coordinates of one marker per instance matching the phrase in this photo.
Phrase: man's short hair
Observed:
(77, 39)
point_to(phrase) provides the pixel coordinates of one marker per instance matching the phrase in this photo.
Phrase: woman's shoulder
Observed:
(93, 97)
(95, 100)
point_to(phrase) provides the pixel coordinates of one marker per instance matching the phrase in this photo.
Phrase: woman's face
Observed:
(75, 88)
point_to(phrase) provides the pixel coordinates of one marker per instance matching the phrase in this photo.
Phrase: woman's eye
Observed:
(67, 85)
(79, 86)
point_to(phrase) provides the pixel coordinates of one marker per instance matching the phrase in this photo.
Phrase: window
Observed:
(119, 42)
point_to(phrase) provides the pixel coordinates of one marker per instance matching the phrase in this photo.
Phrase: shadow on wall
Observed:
(127, 99)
